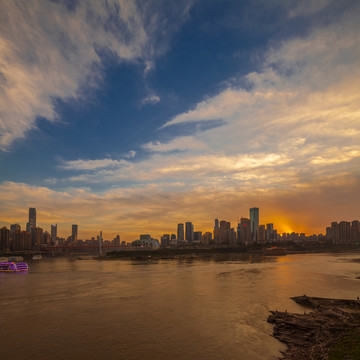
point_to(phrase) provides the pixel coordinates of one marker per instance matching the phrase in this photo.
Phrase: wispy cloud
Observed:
(183, 143)
(82, 164)
(295, 121)
(49, 50)
(150, 99)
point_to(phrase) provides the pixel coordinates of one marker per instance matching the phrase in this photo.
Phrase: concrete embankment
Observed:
(327, 326)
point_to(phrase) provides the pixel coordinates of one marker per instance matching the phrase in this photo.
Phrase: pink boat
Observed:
(12, 266)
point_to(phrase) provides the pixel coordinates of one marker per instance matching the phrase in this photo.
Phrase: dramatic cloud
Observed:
(50, 51)
(294, 124)
(287, 136)
(151, 208)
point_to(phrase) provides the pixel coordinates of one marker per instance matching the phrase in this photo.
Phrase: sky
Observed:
(133, 116)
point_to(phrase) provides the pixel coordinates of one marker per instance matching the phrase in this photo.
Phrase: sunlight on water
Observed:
(178, 309)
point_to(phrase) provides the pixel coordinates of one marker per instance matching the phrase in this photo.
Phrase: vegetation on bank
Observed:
(171, 252)
(347, 347)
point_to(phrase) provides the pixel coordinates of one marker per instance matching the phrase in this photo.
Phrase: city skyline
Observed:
(126, 116)
(185, 231)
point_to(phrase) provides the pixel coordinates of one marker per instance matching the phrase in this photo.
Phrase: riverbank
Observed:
(331, 330)
(195, 252)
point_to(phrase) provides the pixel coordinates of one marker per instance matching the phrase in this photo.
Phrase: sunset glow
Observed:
(130, 119)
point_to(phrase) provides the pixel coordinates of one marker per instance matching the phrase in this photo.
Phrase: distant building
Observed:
(32, 218)
(189, 231)
(46, 238)
(207, 238)
(146, 241)
(269, 232)
(198, 236)
(165, 240)
(225, 232)
(21, 240)
(216, 226)
(261, 234)
(13, 229)
(217, 238)
(74, 232)
(180, 232)
(355, 231)
(4, 238)
(254, 220)
(344, 232)
(244, 231)
(53, 233)
(37, 237)
(116, 240)
(328, 234)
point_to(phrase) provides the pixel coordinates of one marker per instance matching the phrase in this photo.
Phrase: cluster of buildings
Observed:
(344, 232)
(34, 237)
(247, 232)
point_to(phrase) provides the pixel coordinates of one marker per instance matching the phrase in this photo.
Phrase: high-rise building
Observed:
(32, 218)
(216, 226)
(225, 233)
(165, 240)
(53, 233)
(207, 238)
(74, 232)
(198, 236)
(4, 238)
(261, 235)
(21, 240)
(189, 231)
(254, 220)
(244, 231)
(180, 232)
(100, 243)
(14, 228)
(217, 238)
(269, 232)
(116, 240)
(37, 237)
(355, 231)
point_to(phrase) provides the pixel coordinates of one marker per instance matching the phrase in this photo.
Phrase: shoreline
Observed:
(328, 331)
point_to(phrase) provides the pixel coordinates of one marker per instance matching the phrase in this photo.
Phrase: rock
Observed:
(310, 336)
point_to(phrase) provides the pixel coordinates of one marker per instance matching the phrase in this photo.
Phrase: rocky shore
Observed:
(329, 329)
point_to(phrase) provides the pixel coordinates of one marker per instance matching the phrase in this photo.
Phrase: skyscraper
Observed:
(269, 232)
(244, 231)
(53, 233)
(189, 232)
(254, 221)
(32, 218)
(180, 232)
(74, 233)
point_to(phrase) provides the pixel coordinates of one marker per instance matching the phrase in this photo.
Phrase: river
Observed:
(166, 309)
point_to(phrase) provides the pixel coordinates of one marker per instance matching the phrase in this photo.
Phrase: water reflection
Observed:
(183, 308)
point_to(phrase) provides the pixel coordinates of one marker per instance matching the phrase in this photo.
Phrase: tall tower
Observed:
(189, 232)
(32, 218)
(254, 221)
(74, 233)
(180, 232)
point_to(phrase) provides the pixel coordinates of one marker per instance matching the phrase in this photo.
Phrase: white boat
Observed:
(37, 257)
